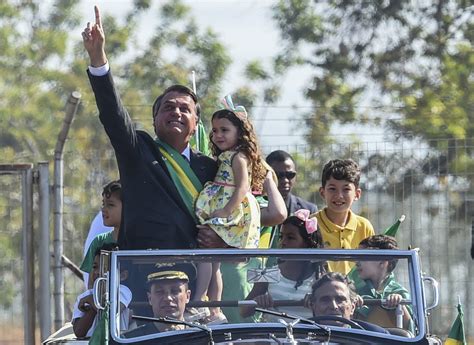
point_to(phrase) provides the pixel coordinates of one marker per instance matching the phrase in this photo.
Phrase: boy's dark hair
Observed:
(114, 187)
(341, 169)
(334, 277)
(176, 88)
(381, 242)
(278, 156)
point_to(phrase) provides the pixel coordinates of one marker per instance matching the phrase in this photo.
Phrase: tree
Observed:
(42, 61)
(410, 61)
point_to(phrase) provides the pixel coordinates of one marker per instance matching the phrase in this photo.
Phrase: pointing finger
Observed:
(98, 21)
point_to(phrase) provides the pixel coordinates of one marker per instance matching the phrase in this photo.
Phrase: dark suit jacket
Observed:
(153, 213)
(295, 203)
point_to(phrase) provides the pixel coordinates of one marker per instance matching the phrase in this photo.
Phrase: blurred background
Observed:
(387, 83)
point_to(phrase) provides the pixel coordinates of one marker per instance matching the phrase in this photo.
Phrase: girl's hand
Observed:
(393, 301)
(268, 180)
(221, 213)
(264, 301)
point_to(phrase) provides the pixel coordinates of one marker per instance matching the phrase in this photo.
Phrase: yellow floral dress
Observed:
(242, 228)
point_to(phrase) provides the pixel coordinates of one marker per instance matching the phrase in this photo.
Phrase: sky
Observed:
(247, 30)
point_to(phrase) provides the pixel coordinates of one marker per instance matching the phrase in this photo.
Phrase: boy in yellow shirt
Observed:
(340, 227)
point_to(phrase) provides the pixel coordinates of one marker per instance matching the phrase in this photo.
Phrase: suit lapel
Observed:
(198, 168)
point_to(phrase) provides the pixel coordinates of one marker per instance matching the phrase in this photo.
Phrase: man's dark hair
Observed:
(341, 169)
(278, 156)
(176, 88)
(381, 242)
(334, 277)
(113, 187)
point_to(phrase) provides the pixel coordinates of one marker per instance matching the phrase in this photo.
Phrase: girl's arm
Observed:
(275, 213)
(82, 324)
(258, 289)
(242, 186)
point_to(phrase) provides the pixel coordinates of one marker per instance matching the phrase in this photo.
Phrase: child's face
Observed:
(224, 134)
(95, 271)
(111, 210)
(370, 269)
(339, 195)
(290, 237)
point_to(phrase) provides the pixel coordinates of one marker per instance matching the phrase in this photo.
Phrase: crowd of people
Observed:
(171, 196)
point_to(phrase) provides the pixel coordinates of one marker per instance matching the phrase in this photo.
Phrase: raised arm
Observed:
(112, 114)
(276, 212)
(93, 38)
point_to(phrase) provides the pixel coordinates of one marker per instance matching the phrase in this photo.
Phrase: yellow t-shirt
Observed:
(347, 237)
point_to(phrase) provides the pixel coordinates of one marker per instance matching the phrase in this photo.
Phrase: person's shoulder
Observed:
(362, 222)
(303, 204)
(105, 237)
(202, 157)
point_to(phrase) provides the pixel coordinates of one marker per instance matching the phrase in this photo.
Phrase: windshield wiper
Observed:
(327, 330)
(170, 320)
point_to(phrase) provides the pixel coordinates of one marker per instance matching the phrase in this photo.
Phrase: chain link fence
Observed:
(433, 188)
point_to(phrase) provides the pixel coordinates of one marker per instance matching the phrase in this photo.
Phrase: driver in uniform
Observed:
(168, 293)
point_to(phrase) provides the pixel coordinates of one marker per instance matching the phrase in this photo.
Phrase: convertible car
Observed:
(289, 317)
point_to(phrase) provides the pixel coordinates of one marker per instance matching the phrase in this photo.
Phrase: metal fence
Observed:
(432, 188)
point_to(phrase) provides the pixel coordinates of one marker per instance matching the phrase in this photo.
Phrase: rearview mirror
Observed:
(263, 275)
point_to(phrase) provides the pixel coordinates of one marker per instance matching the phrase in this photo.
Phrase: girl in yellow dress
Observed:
(227, 204)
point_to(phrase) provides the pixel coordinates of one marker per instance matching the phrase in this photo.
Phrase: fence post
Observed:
(29, 308)
(71, 109)
(44, 254)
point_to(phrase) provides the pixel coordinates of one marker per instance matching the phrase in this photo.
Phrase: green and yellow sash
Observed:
(184, 178)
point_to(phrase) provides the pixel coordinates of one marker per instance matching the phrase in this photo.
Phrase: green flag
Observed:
(456, 335)
(100, 336)
(392, 230)
(199, 140)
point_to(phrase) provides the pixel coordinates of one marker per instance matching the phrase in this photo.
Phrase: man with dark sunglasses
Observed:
(285, 169)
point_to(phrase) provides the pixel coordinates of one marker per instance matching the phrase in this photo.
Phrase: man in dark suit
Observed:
(285, 169)
(157, 203)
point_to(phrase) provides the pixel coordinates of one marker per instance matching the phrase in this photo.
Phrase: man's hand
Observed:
(94, 40)
(207, 238)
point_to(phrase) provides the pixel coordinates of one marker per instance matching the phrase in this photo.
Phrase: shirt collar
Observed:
(351, 224)
(187, 153)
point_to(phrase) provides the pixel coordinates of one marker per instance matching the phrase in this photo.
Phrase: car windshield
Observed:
(153, 294)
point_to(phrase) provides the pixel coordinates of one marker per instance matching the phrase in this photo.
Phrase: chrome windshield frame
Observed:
(412, 257)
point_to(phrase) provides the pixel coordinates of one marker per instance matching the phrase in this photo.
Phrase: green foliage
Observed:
(42, 61)
(414, 57)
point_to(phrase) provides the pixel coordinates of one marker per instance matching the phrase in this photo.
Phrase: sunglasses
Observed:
(286, 174)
